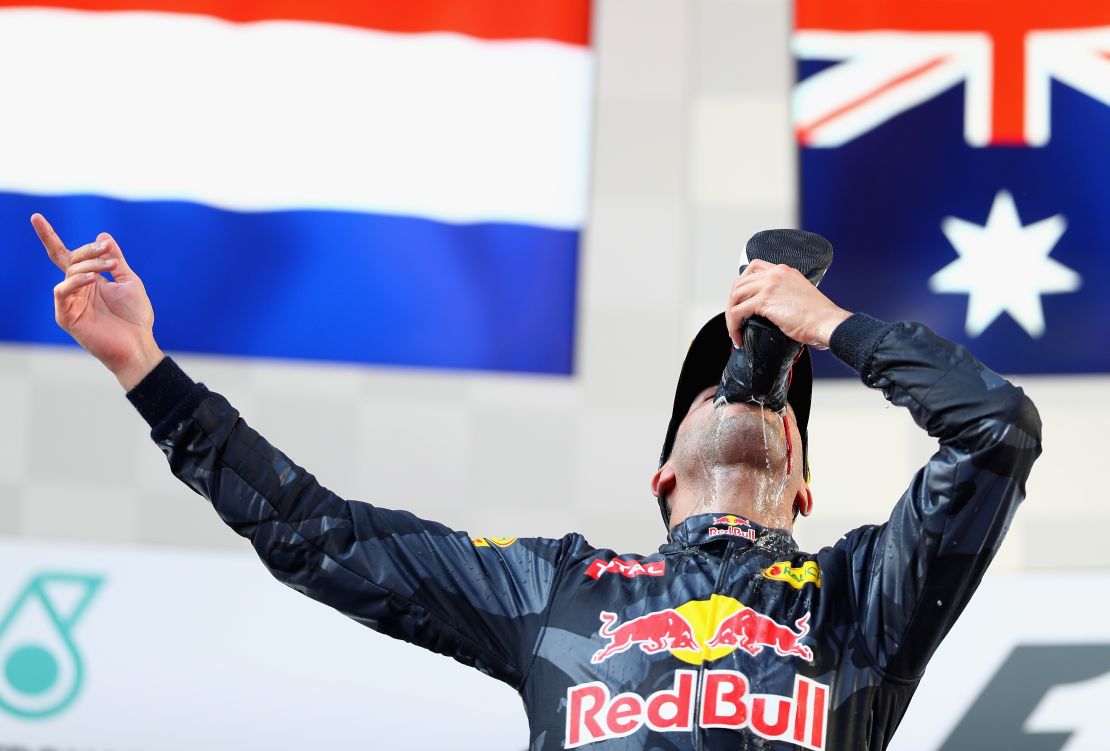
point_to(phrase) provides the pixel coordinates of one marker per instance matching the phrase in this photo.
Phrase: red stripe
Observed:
(989, 16)
(805, 132)
(817, 737)
(557, 20)
(1008, 91)
(801, 704)
(789, 444)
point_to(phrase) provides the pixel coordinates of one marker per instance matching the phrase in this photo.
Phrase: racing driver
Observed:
(728, 636)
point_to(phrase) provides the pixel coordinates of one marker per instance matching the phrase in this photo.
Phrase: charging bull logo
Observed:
(752, 631)
(702, 631)
(654, 632)
(731, 520)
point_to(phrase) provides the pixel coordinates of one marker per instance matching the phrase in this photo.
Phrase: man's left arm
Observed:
(914, 574)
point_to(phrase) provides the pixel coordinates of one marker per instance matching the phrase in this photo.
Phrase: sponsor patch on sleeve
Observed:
(627, 569)
(485, 542)
(796, 576)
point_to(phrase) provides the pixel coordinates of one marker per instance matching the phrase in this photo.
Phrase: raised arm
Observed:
(914, 574)
(479, 601)
(113, 319)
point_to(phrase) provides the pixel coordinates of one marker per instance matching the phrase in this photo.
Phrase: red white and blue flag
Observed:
(381, 182)
(957, 153)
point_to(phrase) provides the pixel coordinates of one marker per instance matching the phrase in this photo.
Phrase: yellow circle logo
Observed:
(704, 616)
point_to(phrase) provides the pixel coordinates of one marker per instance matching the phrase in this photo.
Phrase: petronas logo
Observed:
(41, 667)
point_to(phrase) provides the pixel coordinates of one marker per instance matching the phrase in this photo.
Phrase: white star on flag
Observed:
(1004, 267)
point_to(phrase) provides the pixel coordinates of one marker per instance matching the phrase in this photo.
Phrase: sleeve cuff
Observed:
(854, 341)
(165, 396)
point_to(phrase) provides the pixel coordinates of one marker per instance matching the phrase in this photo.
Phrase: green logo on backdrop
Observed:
(40, 667)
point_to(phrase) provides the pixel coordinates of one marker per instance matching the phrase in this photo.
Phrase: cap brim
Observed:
(702, 368)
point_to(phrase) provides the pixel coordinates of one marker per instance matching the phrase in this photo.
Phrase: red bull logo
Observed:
(725, 701)
(703, 631)
(752, 631)
(732, 520)
(747, 534)
(652, 633)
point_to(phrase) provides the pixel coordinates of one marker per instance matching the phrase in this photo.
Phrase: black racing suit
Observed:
(728, 637)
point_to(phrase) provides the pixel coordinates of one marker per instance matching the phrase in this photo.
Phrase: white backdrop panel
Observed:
(186, 650)
(190, 650)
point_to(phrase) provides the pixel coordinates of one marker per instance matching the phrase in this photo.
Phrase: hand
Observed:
(113, 320)
(782, 295)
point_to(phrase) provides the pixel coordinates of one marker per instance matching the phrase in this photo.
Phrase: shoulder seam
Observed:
(556, 584)
(859, 629)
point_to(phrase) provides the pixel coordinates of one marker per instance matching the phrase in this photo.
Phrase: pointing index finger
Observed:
(50, 240)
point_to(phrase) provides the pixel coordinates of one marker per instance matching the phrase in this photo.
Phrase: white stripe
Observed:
(1072, 57)
(872, 59)
(280, 115)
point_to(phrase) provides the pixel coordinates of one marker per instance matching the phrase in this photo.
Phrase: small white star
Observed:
(1004, 267)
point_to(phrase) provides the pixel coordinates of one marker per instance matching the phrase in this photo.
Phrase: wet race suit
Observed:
(728, 637)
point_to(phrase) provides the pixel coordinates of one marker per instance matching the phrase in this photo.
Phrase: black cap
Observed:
(702, 368)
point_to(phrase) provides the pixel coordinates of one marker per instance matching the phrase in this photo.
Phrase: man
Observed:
(728, 636)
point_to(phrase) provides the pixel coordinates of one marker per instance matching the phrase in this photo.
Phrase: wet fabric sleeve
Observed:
(479, 601)
(914, 574)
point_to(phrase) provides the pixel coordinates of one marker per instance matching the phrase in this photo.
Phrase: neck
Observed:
(764, 496)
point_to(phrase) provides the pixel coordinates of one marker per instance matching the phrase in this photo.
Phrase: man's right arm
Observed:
(480, 602)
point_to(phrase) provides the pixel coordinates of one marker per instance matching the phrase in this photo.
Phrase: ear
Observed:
(663, 481)
(803, 500)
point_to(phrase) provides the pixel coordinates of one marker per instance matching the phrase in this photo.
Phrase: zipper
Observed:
(699, 735)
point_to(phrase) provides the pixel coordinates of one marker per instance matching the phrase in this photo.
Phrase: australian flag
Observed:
(957, 154)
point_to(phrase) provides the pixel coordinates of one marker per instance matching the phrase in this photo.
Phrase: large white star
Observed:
(1004, 267)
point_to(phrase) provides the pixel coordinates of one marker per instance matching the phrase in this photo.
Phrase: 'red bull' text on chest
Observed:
(725, 701)
(704, 634)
